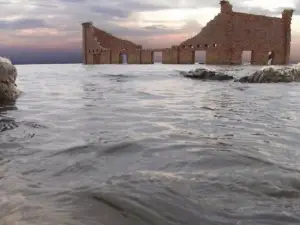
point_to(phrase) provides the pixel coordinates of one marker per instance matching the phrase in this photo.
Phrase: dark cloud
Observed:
(118, 17)
(139, 32)
(111, 12)
(153, 30)
(25, 23)
(156, 27)
(240, 7)
(124, 9)
(259, 11)
(297, 8)
(72, 1)
(138, 6)
(67, 15)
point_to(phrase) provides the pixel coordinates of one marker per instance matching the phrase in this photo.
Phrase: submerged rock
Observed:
(273, 75)
(8, 76)
(204, 74)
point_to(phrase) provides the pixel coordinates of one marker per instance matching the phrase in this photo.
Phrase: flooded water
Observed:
(139, 144)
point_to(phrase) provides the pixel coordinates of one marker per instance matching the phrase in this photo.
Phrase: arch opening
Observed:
(199, 57)
(123, 58)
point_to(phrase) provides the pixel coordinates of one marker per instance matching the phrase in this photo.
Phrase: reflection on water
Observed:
(136, 144)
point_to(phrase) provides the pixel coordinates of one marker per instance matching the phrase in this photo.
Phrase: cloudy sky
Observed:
(43, 28)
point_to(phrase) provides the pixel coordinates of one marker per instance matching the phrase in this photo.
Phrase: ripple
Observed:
(7, 124)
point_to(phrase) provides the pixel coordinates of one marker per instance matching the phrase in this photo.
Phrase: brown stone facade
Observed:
(224, 38)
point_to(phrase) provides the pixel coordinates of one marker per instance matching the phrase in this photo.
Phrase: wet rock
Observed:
(273, 75)
(8, 75)
(204, 74)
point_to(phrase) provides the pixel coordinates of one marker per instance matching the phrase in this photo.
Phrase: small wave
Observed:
(121, 148)
(7, 124)
(284, 194)
(34, 125)
(156, 197)
(161, 175)
(149, 95)
(116, 75)
(83, 149)
(208, 108)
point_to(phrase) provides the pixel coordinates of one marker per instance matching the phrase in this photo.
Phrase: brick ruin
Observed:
(224, 38)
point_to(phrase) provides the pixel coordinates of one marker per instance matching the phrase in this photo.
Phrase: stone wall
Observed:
(170, 55)
(107, 40)
(146, 56)
(115, 57)
(134, 57)
(186, 56)
(167, 56)
(224, 39)
(105, 57)
(230, 33)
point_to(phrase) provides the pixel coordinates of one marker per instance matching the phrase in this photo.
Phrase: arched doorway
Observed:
(123, 58)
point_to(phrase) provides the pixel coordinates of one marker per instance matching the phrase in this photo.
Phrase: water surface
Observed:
(137, 145)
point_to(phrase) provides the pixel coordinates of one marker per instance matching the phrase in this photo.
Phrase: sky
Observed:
(40, 31)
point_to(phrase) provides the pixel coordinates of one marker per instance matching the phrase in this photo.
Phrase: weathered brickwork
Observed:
(186, 56)
(146, 56)
(224, 39)
(115, 57)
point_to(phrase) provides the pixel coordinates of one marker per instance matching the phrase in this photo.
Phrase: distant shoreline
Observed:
(45, 63)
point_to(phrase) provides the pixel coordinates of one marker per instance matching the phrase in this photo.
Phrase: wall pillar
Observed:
(85, 27)
(286, 16)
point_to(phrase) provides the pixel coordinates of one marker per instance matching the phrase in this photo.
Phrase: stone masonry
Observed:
(224, 38)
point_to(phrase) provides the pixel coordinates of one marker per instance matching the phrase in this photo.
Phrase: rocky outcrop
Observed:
(273, 75)
(8, 76)
(204, 74)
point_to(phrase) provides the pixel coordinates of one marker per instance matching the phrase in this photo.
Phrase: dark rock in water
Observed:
(204, 74)
(272, 75)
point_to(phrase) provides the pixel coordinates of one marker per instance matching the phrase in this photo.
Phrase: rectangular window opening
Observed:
(157, 57)
(200, 57)
(247, 58)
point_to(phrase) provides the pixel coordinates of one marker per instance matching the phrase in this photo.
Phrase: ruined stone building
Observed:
(223, 39)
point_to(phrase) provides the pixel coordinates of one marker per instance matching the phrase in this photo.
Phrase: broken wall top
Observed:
(107, 40)
(229, 26)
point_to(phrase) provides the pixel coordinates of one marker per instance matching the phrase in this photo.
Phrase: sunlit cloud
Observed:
(270, 4)
(32, 23)
(38, 32)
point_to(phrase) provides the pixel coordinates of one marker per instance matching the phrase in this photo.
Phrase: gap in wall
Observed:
(246, 57)
(270, 58)
(199, 57)
(123, 58)
(157, 57)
